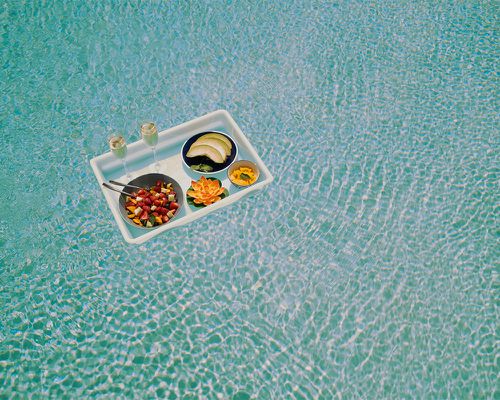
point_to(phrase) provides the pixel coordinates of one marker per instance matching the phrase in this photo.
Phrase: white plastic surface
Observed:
(170, 141)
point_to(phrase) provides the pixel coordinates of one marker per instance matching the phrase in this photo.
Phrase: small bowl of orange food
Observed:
(243, 173)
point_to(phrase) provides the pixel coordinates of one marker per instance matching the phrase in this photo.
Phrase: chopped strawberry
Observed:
(164, 209)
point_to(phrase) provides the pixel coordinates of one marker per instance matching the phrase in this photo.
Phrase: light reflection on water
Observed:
(367, 269)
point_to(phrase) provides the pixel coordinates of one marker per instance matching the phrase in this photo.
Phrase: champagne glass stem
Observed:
(157, 164)
(127, 172)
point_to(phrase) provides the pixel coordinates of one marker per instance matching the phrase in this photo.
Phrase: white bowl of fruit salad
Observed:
(157, 202)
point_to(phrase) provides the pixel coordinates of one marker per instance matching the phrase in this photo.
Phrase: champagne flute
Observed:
(118, 147)
(149, 134)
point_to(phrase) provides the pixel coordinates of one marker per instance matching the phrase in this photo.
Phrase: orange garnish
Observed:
(205, 191)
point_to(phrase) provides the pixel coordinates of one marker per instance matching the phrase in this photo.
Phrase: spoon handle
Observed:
(124, 185)
(107, 186)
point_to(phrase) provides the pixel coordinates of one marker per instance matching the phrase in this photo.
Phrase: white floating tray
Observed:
(140, 161)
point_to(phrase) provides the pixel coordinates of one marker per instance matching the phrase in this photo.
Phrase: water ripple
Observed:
(368, 269)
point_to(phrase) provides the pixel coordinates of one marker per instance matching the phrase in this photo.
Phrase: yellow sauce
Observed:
(243, 176)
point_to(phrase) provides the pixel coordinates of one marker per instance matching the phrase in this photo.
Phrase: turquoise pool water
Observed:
(368, 269)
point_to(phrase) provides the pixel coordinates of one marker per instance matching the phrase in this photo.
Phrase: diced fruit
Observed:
(152, 207)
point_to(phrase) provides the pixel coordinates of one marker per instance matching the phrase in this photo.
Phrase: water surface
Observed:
(368, 269)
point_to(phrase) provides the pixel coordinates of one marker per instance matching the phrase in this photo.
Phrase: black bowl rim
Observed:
(203, 133)
(169, 179)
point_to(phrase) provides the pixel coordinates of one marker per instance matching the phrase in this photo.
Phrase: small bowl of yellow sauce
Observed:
(243, 173)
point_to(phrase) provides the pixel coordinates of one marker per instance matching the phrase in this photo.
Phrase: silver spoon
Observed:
(108, 186)
(124, 185)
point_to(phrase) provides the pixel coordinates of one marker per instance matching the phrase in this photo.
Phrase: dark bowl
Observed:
(147, 181)
(188, 161)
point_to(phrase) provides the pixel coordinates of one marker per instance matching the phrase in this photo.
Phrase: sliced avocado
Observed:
(202, 167)
(207, 151)
(149, 225)
(214, 142)
(219, 137)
